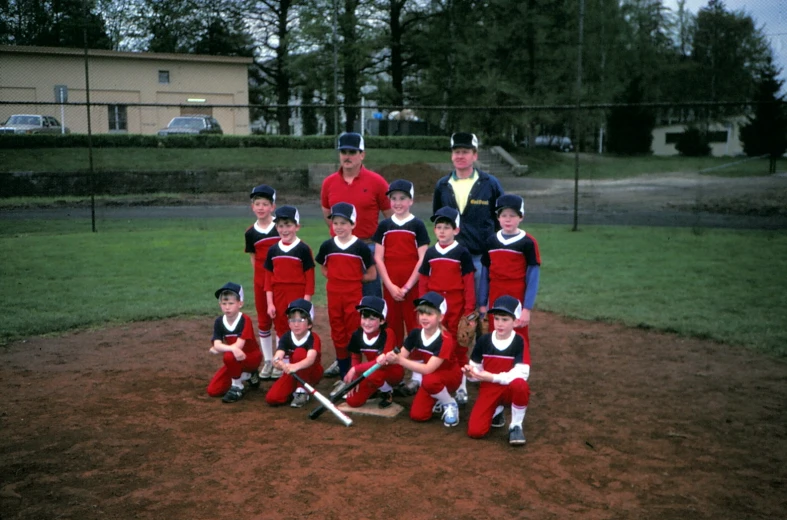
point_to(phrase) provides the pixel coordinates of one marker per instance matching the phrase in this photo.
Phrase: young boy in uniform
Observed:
(346, 263)
(299, 350)
(401, 242)
(234, 340)
(513, 261)
(429, 351)
(501, 361)
(259, 238)
(289, 268)
(448, 270)
(372, 340)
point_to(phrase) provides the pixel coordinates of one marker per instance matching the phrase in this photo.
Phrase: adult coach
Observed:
(474, 194)
(364, 189)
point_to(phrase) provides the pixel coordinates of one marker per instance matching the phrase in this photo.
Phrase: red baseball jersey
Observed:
(442, 346)
(446, 267)
(367, 193)
(258, 241)
(500, 360)
(370, 347)
(401, 240)
(229, 333)
(345, 262)
(288, 344)
(290, 264)
(509, 258)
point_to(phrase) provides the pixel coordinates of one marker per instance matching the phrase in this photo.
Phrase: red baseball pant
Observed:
(282, 389)
(232, 369)
(490, 395)
(423, 402)
(391, 374)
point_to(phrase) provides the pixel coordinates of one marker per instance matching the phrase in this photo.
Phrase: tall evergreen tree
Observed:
(630, 128)
(766, 132)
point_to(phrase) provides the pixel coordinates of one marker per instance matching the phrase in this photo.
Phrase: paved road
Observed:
(642, 201)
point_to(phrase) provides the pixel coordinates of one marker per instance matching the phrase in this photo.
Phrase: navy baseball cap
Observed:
(263, 190)
(375, 304)
(509, 201)
(287, 212)
(447, 214)
(464, 140)
(351, 141)
(507, 305)
(345, 210)
(231, 287)
(432, 299)
(401, 185)
(302, 305)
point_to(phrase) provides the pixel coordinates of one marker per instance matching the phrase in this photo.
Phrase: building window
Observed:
(717, 136)
(163, 76)
(118, 121)
(672, 137)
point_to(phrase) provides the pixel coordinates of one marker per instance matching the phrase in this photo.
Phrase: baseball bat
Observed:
(320, 409)
(324, 400)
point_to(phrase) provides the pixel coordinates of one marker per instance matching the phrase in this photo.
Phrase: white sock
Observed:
(499, 409)
(418, 377)
(266, 346)
(238, 383)
(245, 376)
(463, 386)
(386, 387)
(517, 416)
(444, 397)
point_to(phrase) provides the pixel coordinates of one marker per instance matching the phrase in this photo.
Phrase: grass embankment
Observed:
(723, 285)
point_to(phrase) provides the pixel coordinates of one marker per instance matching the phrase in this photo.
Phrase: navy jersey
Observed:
(499, 361)
(345, 262)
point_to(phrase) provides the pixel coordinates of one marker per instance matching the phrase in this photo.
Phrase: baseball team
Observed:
(395, 302)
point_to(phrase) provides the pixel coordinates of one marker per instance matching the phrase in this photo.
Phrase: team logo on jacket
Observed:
(480, 202)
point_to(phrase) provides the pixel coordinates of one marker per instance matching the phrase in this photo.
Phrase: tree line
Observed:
(449, 57)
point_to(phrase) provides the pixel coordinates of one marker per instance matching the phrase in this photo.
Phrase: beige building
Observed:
(724, 138)
(121, 80)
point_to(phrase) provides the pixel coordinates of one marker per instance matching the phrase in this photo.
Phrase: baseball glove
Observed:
(483, 326)
(465, 332)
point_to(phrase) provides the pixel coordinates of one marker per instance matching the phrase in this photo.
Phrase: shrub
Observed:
(693, 143)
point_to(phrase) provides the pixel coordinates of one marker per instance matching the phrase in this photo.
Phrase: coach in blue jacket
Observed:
(474, 194)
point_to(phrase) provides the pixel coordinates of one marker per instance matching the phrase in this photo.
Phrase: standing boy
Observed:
(259, 238)
(501, 361)
(513, 261)
(289, 268)
(346, 263)
(448, 270)
(299, 350)
(234, 340)
(400, 243)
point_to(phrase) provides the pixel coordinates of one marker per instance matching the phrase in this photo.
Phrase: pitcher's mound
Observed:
(371, 408)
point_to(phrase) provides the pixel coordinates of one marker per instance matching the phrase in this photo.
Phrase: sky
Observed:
(771, 15)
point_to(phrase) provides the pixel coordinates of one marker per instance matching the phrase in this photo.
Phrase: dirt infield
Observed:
(623, 423)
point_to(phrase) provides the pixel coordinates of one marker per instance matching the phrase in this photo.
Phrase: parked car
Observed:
(32, 124)
(553, 142)
(192, 125)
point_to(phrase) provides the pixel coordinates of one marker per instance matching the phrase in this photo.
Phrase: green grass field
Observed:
(723, 285)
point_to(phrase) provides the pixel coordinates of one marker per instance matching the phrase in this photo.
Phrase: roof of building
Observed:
(160, 56)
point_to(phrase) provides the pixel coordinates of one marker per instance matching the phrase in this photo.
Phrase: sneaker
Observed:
(332, 371)
(338, 386)
(450, 415)
(437, 409)
(461, 397)
(267, 370)
(254, 380)
(411, 387)
(516, 437)
(233, 395)
(299, 400)
(499, 420)
(276, 373)
(386, 399)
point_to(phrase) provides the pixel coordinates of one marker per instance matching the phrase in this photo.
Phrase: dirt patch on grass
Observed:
(772, 203)
(623, 423)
